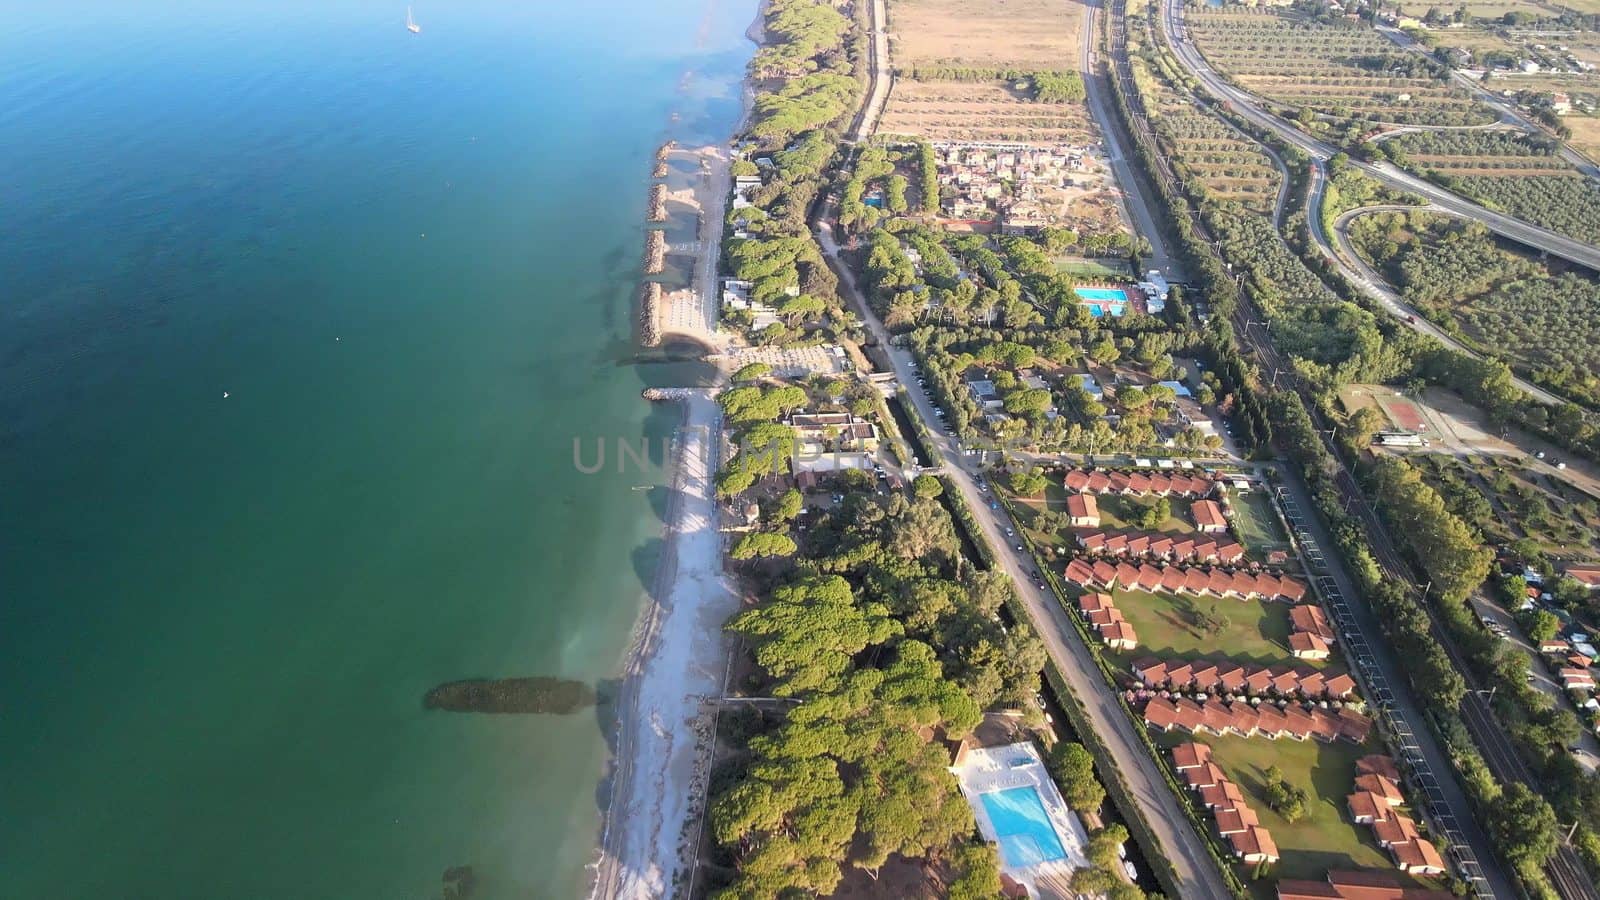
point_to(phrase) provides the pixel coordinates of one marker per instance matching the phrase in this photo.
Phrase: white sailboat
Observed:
(411, 24)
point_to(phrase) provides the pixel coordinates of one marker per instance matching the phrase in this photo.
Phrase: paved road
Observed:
(1179, 842)
(1510, 113)
(1136, 203)
(1247, 105)
(1355, 269)
(877, 70)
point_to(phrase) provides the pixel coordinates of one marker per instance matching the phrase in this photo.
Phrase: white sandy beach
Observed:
(675, 666)
(680, 653)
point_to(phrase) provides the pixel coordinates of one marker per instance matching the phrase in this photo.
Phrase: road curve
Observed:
(1248, 106)
(1356, 270)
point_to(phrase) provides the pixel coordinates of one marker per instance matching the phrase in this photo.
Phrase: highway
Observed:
(1509, 112)
(1248, 106)
(1180, 844)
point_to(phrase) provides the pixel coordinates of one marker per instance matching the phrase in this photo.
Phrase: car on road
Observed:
(1019, 548)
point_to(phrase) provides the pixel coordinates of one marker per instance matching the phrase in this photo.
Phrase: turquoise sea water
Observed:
(218, 616)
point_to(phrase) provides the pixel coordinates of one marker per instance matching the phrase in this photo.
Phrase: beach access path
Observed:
(672, 678)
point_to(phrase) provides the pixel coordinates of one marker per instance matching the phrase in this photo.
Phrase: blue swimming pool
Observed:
(1103, 301)
(1026, 836)
(1114, 295)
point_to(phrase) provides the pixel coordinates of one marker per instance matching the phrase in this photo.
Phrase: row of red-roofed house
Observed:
(1267, 720)
(1100, 611)
(1236, 822)
(1377, 794)
(1101, 481)
(1184, 580)
(1159, 545)
(1228, 677)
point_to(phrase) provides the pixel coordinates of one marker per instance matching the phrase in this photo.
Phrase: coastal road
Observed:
(1180, 844)
(1136, 204)
(1248, 106)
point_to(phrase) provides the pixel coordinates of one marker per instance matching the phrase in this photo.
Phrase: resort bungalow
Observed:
(1305, 645)
(1254, 846)
(1378, 764)
(1190, 755)
(1120, 636)
(1083, 511)
(1367, 808)
(1397, 829)
(1184, 580)
(1351, 885)
(1418, 857)
(1222, 795)
(1208, 517)
(1236, 821)
(1100, 481)
(1380, 787)
(1309, 618)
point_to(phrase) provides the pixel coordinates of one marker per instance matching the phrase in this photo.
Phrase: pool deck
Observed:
(989, 769)
(1131, 297)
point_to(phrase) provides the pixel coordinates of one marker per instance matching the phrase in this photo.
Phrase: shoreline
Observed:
(677, 656)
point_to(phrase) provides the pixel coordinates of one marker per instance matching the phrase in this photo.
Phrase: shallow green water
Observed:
(219, 616)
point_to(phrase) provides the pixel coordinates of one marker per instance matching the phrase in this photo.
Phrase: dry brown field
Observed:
(981, 111)
(1027, 35)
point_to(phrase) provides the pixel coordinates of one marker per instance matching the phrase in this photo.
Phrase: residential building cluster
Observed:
(1101, 481)
(1199, 581)
(1375, 804)
(1226, 677)
(1158, 545)
(1266, 720)
(1236, 822)
(1025, 187)
(1100, 611)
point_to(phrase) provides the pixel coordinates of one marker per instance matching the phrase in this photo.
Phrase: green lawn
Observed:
(1114, 269)
(1325, 838)
(1257, 632)
(1118, 512)
(1257, 524)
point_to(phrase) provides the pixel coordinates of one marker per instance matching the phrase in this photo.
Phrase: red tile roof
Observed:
(1207, 514)
(1378, 764)
(1418, 855)
(1082, 506)
(1190, 755)
(1382, 787)
(1367, 807)
(1397, 829)
(1309, 617)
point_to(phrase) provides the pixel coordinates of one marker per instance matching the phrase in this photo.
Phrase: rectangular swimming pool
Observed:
(1103, 301)
(1113, 295)
(1026, 836)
